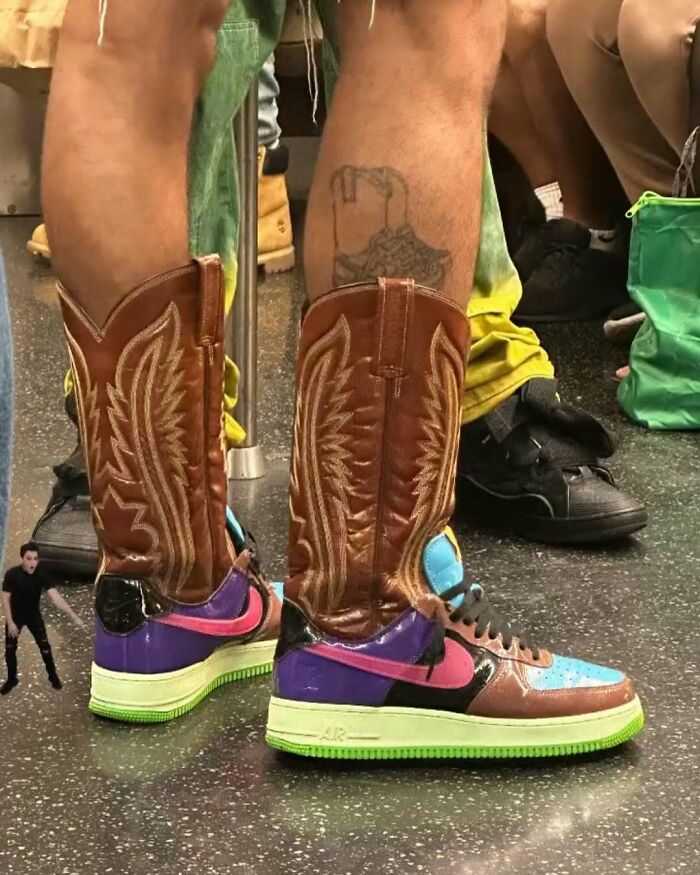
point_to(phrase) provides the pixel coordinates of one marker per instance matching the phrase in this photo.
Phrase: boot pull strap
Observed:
(210, 323)
(394, 312)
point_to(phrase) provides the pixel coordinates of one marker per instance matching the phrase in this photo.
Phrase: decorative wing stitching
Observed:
(146, 414)
(86, 399)
(320, 474)
(440, 420)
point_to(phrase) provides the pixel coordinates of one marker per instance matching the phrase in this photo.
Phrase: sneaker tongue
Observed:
(442, 562)
(278, 587)
(572, 436)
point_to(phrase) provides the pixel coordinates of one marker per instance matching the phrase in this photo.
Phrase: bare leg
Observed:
(511, 122)
(115, 167)
(388, 196)
(578, 157)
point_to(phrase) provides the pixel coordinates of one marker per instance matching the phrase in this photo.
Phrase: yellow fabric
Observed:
(503, 355)
(450, 535)
(235, 435)
(233, 431)
(29, 32)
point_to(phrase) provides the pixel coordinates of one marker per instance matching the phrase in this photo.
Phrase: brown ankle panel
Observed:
(149, 387)
(379, 381)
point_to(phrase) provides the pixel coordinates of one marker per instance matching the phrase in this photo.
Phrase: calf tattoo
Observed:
(373, 236)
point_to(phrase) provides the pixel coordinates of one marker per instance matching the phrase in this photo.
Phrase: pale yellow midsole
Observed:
(170, 690)
(309, 723)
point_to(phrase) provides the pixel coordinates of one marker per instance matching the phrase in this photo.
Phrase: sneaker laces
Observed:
(476, 610)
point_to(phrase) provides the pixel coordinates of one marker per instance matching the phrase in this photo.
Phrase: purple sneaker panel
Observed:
(306, 677)
(155, 647)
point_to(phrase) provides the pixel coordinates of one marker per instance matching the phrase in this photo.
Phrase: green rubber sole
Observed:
(136, 698)
(338, 723)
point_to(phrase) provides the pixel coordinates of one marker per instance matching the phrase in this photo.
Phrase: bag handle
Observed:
(684, 181)
(688, 175)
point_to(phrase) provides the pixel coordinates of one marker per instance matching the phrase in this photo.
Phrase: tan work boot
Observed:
(275, 249)
(39, 243)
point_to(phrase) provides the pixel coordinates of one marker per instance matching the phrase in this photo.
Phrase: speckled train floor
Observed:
(205, 795)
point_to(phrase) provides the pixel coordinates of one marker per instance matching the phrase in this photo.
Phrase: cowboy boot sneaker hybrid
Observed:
(385, 651)
(179, 612)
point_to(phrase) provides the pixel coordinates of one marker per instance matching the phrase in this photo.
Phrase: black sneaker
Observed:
(564, 280)
(276, 160)
(55, 682)
(64, 533)
(521, 210)
(556, 235)
(8, 686)
(532, 468)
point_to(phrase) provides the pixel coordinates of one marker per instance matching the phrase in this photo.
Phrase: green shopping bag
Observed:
(663, 389)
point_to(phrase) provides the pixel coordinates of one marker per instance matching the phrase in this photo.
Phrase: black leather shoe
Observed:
(564, 280)
(556, 235)
(66, 539)
(532, 468)
(64, 533)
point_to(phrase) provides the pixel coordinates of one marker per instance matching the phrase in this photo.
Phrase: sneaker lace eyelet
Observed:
(485, 624)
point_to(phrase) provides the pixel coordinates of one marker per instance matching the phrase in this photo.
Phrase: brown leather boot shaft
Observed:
(149, 386)
(379, 381)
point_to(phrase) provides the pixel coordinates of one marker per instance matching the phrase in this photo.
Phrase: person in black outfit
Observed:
(21, 596)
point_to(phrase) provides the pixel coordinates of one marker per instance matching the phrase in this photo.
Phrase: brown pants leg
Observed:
(626, 63)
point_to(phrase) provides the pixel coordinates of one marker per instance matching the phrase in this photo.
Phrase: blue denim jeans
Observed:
(5, 406)
(268, 91)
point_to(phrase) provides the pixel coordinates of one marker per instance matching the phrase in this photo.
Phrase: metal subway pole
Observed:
(246, 462)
